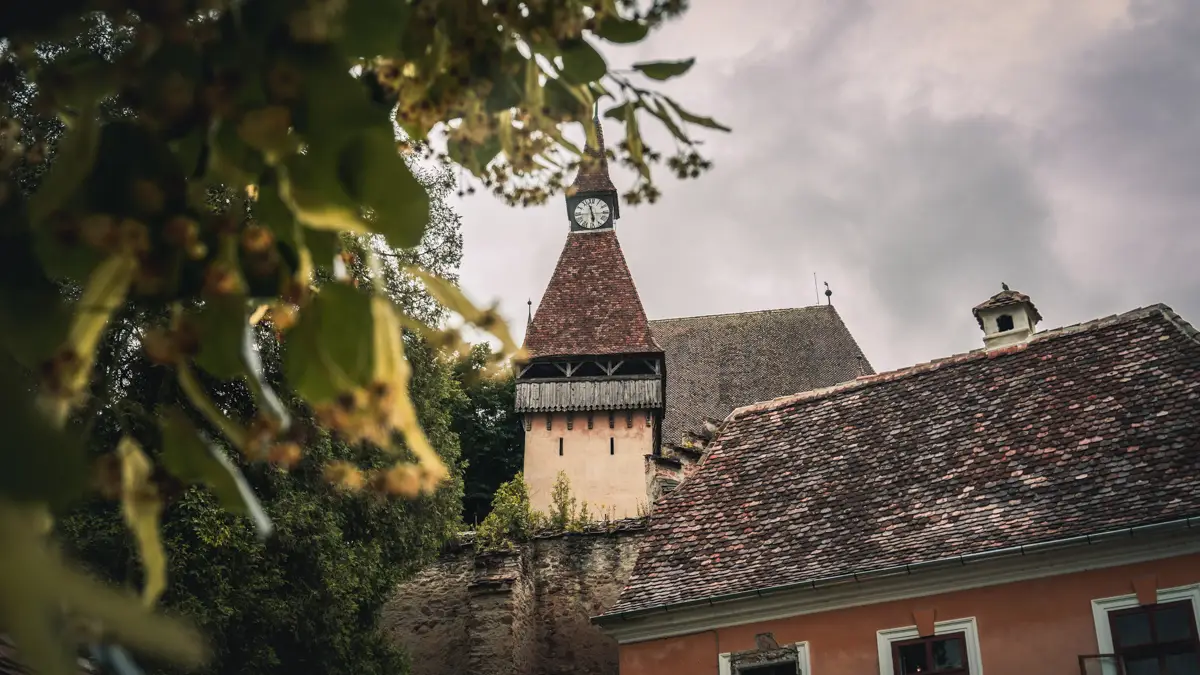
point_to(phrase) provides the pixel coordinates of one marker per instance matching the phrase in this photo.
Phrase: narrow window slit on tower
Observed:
(611, 419)
(570, 421)
(612, 446)
(549, 417)
(560, 443)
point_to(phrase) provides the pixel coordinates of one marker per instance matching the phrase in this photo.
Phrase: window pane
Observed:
(1131, 629)
(1174, 623)
(1182, 664)
(913, 659)
(773, 669)
(1146, 666)
(948, 654)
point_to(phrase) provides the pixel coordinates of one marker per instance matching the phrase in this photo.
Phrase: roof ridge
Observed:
(773, 310)
(963, 357)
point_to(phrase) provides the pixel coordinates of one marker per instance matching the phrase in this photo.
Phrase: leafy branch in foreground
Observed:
(216, 168)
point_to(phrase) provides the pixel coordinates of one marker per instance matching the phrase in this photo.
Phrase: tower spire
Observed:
(593, 167)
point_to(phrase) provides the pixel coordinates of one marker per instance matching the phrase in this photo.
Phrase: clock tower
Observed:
(592, 392)
(592, 202)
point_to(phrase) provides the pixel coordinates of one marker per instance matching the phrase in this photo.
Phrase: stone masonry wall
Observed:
(525, 612)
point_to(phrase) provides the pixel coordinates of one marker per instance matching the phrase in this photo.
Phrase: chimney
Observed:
(1006, 318)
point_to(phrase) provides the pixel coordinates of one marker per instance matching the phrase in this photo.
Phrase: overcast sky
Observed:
(914, 154)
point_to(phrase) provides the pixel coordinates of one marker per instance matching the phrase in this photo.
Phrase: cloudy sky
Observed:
(914, 154)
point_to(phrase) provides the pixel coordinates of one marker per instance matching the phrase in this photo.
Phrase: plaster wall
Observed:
(606, 465)
(1035, 627)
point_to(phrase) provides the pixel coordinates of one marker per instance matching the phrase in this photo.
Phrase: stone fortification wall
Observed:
(520, 612)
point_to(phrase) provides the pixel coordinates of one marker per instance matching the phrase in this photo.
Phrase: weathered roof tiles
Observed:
(718, 362)
(1078, 431)
(591, 306)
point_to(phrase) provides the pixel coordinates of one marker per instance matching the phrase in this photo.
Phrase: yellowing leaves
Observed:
(142, 507)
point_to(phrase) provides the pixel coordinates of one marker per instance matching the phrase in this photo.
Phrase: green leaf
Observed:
(616, 113)
(221, 324)
(192, 458)
(622, 31)
(72, 164)
(373, 172)
(660, 111)
(582, 63)
(633, 138)
(691, 118)
(38, 462)
(664, 70)
(505, 94)
(330, 350)
(310, 187)
(374, 27)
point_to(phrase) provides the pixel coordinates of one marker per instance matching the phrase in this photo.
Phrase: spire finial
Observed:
(828, 294)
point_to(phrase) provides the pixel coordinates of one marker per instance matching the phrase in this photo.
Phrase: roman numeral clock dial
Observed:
(591, 213)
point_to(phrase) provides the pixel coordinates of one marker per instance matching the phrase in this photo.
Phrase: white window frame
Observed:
(1102, 606)
(968, 626)
(726, 660)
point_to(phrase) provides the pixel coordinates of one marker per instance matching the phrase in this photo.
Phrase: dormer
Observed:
(1007, 318)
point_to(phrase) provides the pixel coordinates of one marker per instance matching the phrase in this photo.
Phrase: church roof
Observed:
(719, 362)
(591, 306)
(1078, 431)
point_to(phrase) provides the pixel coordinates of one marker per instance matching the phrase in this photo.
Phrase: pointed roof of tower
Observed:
(593, 169)
(591, 306)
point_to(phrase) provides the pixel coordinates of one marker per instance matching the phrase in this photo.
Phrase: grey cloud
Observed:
(913, 213)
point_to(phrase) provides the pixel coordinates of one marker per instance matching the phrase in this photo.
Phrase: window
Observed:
(953, 649)
(612, 446)
(549, 419)
(649, 418)
(788, 659)
(1158, 639)
(529, 423)
(570, 421)
(1004, 322)
(629, 419)
(940, 655)
(560, 444)
(591, 418)
(611, 419)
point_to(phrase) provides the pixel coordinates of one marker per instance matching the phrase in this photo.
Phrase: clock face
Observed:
(591, 213)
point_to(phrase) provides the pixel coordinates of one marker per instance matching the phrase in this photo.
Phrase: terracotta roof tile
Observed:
(1079, 431)
(591, 306)
(719, 362)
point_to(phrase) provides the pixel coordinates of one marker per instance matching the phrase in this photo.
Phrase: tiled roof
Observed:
(1080, 430)
(591, 306)
(1005, 298)
(717, 363)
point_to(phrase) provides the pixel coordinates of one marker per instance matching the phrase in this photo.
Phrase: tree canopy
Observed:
(229, 174)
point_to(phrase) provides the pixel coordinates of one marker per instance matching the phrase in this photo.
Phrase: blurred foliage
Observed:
(231, 192)
(489, 430)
